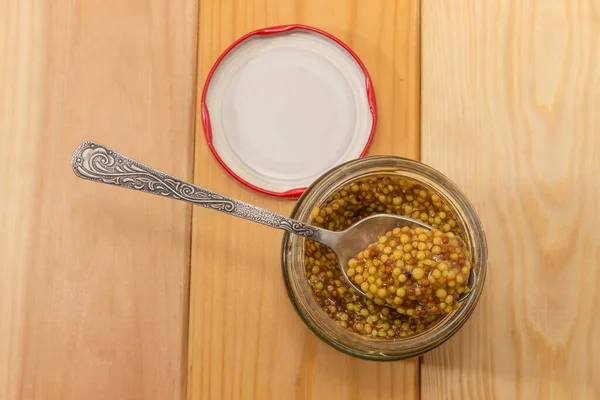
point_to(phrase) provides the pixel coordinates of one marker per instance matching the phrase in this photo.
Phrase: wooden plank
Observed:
(93, 279)
(251, 344)
(511, 94)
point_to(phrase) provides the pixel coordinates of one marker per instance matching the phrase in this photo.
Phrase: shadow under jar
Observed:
(350, 322)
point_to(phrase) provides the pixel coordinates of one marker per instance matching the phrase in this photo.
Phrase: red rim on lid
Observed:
(282, 105)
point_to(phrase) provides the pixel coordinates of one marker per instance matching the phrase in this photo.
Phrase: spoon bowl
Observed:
(347, 243)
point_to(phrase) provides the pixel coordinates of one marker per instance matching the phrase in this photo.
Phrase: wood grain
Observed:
(93, 279)
(245, 339)
(511, 101)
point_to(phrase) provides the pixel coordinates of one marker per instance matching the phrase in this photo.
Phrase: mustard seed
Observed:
(407, 268)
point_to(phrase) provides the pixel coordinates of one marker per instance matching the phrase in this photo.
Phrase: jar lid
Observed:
(284, 104)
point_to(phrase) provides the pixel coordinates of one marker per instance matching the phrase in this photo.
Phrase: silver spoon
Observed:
(98, 163)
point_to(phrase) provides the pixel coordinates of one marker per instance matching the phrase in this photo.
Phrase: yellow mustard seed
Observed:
(418, 273)
(315, 212)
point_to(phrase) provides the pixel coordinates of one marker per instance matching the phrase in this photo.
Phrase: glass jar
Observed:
(303, 298)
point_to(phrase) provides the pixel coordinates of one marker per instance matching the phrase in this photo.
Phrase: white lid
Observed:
(283, 105)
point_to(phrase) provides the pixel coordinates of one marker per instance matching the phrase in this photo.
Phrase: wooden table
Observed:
(113, 294)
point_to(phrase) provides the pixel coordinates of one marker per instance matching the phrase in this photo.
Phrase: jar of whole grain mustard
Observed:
(352, 323)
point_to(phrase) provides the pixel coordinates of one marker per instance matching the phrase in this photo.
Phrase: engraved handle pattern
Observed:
(98, 163)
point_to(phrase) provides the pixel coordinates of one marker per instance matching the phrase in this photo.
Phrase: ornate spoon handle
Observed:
(98, 163)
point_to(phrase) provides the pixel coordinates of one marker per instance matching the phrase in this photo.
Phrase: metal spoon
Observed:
(98, 163)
